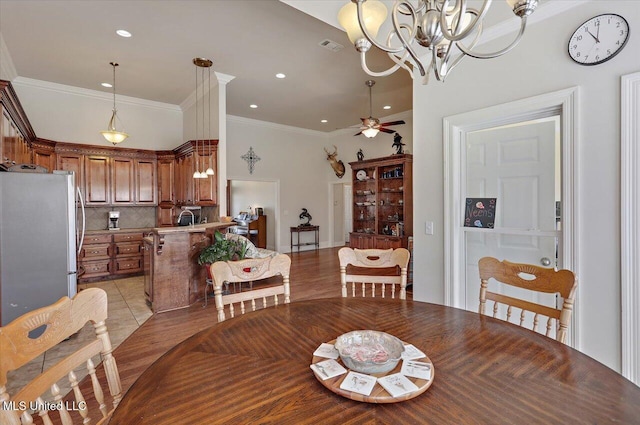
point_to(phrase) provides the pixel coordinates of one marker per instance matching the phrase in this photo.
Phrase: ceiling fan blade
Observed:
(393, 123)
(386, 130)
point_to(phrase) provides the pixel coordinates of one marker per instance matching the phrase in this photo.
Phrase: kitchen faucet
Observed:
(193, 217)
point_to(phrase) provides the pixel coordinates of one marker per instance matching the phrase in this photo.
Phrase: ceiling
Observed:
(72, 43)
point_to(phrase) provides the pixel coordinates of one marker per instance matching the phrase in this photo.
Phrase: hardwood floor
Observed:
(314, 274)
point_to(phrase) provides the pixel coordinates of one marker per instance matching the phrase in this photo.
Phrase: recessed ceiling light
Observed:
(123, 33)
(280, 75)
(106, 85)
(323, 121)
(253, 106)
(386, 107)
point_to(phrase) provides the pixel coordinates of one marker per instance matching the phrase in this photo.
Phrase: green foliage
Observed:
(222, 249)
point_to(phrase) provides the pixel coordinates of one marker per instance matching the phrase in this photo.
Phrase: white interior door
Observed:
(518, 165)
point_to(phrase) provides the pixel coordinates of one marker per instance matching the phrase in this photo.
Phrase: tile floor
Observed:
(127, 311)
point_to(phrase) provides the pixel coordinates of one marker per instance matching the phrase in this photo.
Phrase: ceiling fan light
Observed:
(370, 132)
(374, 12)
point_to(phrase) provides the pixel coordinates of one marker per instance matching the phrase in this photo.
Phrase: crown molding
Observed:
(92, 94)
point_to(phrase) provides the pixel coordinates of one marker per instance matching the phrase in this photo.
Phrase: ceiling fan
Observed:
(371, 126)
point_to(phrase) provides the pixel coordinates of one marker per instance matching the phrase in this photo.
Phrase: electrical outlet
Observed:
(428, 228)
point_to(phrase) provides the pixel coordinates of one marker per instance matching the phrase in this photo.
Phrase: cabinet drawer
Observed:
(128, 248)
(128, 265)
(127, 237)
(96, 251)
(95, 239)
(96, 268)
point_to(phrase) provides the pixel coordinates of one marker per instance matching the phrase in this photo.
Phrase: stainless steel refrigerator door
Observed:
(37, 241)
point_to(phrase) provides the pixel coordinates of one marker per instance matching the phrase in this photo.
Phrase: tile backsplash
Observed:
(130, 217)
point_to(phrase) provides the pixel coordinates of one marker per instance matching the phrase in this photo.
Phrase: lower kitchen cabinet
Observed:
(110, 255)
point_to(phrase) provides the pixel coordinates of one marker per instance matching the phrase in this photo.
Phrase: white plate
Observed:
(361, 175)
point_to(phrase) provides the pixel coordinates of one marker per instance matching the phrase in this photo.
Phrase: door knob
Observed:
(545, 261)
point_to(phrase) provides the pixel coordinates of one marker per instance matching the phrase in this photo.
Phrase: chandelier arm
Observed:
(372, 40)
(412, 33)
(401, 62)
(479, 15)
(469, 52)
(391, 70)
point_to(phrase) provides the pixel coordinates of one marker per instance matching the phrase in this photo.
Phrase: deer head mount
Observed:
(336, 164)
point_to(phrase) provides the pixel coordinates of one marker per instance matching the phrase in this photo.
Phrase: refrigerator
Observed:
(37, 240)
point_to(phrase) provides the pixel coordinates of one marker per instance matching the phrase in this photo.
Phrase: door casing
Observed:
(563, 103)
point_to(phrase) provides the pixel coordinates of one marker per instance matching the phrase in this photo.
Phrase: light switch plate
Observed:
(428, 228)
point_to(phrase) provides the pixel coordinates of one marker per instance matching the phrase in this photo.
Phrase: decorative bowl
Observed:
(368, 351)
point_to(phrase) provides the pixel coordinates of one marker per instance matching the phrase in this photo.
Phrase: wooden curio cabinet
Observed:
(382, 202)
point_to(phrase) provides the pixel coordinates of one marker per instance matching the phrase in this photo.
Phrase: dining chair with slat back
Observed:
(370, 283)
(543, 280)
(62, 320)
(250, 270)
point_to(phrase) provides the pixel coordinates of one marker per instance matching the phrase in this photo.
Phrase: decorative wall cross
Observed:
(251, 159)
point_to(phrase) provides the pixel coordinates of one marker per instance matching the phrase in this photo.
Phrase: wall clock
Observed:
(599, 39)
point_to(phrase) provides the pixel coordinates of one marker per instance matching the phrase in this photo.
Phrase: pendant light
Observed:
(209, 171)
(201, 63)
(112, 135)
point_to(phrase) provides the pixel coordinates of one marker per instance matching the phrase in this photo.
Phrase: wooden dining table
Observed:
(254, 369)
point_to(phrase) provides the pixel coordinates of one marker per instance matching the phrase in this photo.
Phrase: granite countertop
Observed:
(197, 228)
(122, 230)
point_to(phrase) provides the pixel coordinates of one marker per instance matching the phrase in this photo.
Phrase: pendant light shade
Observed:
(202, 63)
(112, 135)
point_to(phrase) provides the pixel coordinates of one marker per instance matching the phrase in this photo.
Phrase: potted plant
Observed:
(222, 249)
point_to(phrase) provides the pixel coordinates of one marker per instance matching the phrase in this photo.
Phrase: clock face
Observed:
(599, 39)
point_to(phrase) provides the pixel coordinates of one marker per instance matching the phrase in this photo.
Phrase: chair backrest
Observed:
(250, 270)
(544, 280)
(62, 320)
(377, 284)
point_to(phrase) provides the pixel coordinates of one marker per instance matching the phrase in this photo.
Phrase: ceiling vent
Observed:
(331, 45)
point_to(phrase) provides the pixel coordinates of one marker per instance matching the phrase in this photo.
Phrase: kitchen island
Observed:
(173, 278)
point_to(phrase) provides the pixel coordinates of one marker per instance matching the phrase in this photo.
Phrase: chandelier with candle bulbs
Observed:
(426, 35)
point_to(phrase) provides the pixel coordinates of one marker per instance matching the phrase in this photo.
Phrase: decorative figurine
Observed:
(397, 143)
(305, 215)
(360, 155)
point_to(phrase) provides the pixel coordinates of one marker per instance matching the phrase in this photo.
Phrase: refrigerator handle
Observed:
(83, 220)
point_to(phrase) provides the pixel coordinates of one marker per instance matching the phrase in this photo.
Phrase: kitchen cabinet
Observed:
(16, 133)
(97, 180)
(190, 191)
(148, 269)
(146, 192)
(382, 202)
(165, 216)
(206, 189)
(122, 181)
(94, 259)
(166, 170)
(43, 154)
(70, 161)
(111, 255)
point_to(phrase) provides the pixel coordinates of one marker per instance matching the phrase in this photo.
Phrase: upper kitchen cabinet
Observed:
(16, 133)
(97, 182)
(122, 181)
(43, 154)
(111, 176)
(189, 190)
(166, 178)
(146, 191)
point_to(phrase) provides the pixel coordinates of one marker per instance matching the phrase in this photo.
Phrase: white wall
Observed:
(540, 64)
(189, 117)
(295, 158)
(69, 114)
